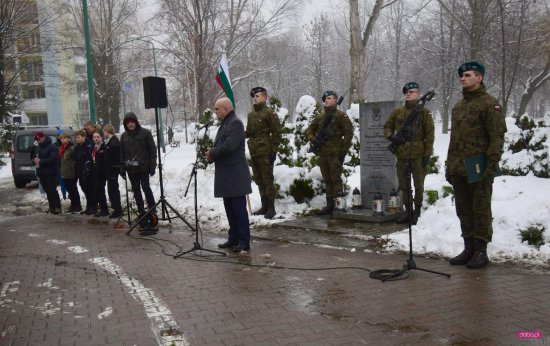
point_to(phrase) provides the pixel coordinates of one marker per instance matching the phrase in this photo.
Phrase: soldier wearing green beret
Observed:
(334, 148)
(415, 152)
(263, 131)
(477, 127)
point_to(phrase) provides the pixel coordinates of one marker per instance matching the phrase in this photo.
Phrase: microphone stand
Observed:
(193, 176)
(411, 264)
(162, 200)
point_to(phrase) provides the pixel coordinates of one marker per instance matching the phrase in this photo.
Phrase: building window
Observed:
(38, 119)
(83, 106)
(81, 88)
(34, 92)
(32, 70)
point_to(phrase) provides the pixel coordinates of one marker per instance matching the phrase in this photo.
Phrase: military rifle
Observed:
(324, 132)
(405, 133)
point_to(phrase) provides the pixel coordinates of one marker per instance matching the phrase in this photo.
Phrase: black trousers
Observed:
(99, 191)
(49, 184)
(114, 193)
(74, 196)
(87, 186)
(140, 181)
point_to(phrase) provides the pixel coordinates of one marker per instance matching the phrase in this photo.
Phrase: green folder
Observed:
(475, 167)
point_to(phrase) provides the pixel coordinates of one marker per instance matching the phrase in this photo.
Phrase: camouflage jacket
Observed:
(339, 142)
(263, 130)
(423, 131)
(477, 126)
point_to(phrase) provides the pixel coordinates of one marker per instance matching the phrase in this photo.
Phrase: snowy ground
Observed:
(518, 202)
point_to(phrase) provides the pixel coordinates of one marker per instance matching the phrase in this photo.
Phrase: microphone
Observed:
(428, 96)
(207, 125)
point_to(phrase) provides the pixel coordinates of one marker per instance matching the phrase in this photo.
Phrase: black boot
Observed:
(329, 208)
(416, 214)
(270, 209)
(404, 218)
(479, 259)
(465, 255)
(263, 208)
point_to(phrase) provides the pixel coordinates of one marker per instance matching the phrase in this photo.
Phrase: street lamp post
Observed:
(89, 67)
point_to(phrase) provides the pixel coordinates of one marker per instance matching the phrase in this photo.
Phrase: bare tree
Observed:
(111, 22)
(199, 30)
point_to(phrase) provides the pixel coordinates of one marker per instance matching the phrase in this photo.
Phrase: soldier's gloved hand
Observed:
(425, 161)
(490, 171)
(342, 158)
(397, 139)
(152, 172)
(272, 158)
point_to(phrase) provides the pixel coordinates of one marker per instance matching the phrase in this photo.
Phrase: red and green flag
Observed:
(224, 79)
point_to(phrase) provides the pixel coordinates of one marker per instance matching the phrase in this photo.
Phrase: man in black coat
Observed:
(47, 169)
(232, 176)
(138, 153)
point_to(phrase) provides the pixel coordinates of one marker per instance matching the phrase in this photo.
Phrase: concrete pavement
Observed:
(74, 280)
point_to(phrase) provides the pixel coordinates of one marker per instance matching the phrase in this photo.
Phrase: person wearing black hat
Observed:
(263, 130)
(418, 150)
(333, 149)
(478, 128)
(138, 153)
(47, 169)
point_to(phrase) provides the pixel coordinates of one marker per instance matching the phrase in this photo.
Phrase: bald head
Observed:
(222, 107)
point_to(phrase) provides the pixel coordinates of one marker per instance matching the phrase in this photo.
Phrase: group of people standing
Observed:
(478, 128)
(95, 162)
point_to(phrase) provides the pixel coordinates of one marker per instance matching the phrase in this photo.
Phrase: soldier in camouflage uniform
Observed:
(419, 149)
(263, 131)
(333, 149)
(477, 127)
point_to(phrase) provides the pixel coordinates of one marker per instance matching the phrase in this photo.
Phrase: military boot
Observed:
(270, 209)
(329, 208)
(479, 259)
(416, 214)
(263, 208)
(404, 218)
(465, 255)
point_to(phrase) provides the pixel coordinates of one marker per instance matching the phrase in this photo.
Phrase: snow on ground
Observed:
(518, 202)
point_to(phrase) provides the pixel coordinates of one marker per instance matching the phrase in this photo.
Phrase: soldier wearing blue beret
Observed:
(478, 127)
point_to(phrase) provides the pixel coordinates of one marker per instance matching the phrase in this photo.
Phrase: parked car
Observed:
(22, 167)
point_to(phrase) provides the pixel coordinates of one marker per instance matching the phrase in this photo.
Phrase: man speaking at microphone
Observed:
(232, 177)
(418, 148)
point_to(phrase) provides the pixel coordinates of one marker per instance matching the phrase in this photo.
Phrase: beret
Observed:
(409, 86)
(471, 66)
(328, 93)
(256, 90)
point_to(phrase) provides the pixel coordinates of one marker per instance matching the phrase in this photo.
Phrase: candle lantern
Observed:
(356, 202)
(394, 202)
(378, 204)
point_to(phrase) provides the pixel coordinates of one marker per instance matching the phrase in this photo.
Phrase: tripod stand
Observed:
(196, 244)
(411, 264)
(162, 200)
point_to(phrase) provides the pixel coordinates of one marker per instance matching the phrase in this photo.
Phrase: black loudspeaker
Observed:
(154, 92)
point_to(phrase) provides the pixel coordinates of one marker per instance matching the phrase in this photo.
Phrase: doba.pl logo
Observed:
(529, 334)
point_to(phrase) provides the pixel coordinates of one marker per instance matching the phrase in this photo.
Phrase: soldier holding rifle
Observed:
(330, 134)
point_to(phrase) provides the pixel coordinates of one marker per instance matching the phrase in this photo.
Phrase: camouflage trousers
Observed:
(262, 171)
(473, 207)
(331, 170)
(417, 176)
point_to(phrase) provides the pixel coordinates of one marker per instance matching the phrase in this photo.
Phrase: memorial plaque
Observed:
(378, 172)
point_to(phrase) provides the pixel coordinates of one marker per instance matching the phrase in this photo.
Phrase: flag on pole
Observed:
(224, 79)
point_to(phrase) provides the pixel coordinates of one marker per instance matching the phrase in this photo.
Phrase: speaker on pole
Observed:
(154, 92)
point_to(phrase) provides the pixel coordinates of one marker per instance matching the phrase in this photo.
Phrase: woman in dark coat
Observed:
(111, 154)
(98, 157)
(68, 172)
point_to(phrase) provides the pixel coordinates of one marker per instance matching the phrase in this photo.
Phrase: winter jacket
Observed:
(340, 128)
(68, 162)
(111, 157)
(138, 147)
(83, 161)
(232, 175)
(263, 130)
(48, 153)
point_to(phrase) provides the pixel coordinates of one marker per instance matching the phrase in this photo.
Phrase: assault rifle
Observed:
(324, 132)
(405, 133)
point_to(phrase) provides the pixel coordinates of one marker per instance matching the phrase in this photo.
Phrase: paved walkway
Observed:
(73, 280)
